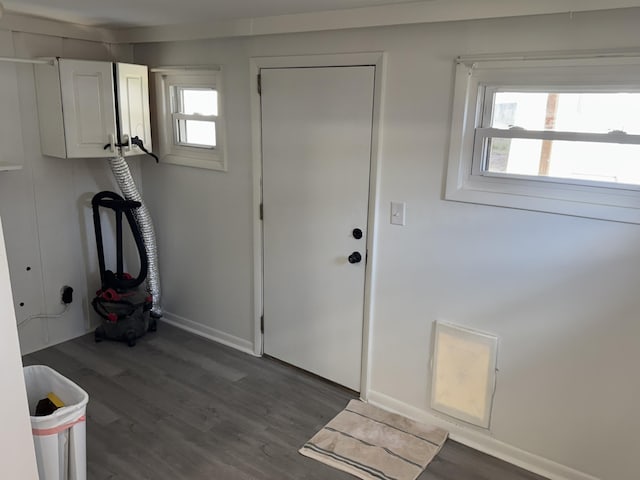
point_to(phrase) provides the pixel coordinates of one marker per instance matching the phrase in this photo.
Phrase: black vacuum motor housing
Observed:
(122, 302)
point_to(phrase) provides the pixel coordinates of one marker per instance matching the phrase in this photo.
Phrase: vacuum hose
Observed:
(121, 172)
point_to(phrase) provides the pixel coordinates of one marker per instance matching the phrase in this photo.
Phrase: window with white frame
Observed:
(191, 118)
(556, 135)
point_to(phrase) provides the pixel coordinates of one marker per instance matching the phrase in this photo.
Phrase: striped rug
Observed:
(372, 444)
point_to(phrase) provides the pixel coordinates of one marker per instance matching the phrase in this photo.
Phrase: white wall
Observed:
(560, 292)
(204, 222)
(46, 205)
(18, 460)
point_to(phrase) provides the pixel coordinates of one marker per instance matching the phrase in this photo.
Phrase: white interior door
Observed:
(316, 147)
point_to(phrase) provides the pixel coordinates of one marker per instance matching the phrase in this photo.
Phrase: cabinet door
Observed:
(88, 107)
(133, 105)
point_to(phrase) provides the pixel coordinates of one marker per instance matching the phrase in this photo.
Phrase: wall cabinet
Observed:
(85, 106)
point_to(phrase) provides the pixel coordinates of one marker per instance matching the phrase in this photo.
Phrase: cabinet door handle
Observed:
(112, 143)
(126, 142)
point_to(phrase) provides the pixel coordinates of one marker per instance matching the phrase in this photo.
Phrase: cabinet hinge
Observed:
(261, 212)
(259, 84)
(262, 324)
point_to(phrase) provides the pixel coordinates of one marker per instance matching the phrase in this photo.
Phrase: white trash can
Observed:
(59, 438)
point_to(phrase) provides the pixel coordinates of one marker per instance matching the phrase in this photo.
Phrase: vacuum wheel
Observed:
(130, 337)
(99, 334)
(153, 325)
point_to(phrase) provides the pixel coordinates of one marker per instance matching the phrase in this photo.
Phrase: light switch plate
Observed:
(398, 213)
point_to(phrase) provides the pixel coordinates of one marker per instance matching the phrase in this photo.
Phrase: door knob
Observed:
(357, 233)
(355, 257)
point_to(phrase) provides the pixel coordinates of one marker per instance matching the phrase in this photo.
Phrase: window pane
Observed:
(198, 101)
(197, 132)
(602, 162)
(569, 112)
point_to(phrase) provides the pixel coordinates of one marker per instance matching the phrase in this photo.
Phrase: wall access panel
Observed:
(464, 369)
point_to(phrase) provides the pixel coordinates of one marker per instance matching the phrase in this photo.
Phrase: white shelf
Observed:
(6, 167)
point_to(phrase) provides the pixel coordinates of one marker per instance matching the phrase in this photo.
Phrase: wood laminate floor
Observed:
(178, 406)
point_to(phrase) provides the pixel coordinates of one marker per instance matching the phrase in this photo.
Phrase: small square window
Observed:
(195, 112)
(196, 133)
(193, 123)
(198, 101)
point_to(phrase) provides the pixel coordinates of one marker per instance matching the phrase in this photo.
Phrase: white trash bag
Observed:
(59, 438)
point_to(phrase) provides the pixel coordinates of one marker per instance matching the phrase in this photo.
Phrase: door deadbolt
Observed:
(357, 233)
(355, 257)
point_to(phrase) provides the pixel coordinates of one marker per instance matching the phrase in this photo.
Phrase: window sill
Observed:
(574, 200)
(212, 163)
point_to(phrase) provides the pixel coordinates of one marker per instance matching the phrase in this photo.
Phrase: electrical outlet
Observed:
(66, 294)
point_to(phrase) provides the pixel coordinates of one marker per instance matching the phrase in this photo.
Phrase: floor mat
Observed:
(373, 444)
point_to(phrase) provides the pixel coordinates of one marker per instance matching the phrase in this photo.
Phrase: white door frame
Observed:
(377, 59)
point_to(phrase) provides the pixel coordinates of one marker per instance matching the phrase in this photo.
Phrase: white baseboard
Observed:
(208, 332)
(481, 441)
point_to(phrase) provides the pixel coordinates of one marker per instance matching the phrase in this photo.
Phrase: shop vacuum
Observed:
(122, 302)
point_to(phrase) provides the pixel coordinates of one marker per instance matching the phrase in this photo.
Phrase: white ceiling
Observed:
(138, 13)
(144, 21)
